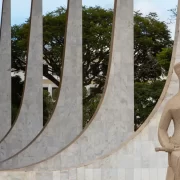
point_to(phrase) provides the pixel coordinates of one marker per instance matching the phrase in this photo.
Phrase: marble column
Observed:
(113, 121)
(30, 118)
(66, 122)
(5, 69)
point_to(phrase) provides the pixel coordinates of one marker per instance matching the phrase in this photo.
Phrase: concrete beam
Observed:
(5, 69)
(30, 119)
(114, 120)
(66, 122)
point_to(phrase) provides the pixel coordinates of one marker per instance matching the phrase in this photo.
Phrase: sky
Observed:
(161, 7)
(20, 9)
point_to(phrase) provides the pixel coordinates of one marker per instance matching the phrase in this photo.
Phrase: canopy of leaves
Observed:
(48, 106)
(146, 96)
(151, 36)
(152, 52)
(164, 58)
(17, 93)
(90, 107)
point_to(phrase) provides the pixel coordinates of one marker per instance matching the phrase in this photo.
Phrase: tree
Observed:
(174, 13)
(53, 44)
(48, 106)
(153, 50)
(152, 44)
(97, 28)
(16, 96)
(164, 59)
(17, 93)
(146, 96)
(151, 36)
(90, 107)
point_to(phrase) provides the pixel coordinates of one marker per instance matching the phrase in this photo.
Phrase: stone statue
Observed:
(171, 144)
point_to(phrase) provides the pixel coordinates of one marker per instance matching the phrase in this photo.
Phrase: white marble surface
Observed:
(134, 160)
(30, 119)
(66, 122)
(112, 124)
(5, 69)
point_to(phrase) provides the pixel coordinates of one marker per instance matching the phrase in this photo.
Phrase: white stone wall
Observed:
(135, 159)
(5, 67)
(30, 118)
(113, 121)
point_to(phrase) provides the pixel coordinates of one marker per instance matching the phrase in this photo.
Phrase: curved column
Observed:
(30, 119)
(5, 69)
(136, 158)
(66, 122)
(113, 122)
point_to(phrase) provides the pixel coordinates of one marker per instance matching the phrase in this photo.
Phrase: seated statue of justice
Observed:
(171, 144)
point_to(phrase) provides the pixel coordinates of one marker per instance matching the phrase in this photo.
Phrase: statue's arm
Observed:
(163, 128)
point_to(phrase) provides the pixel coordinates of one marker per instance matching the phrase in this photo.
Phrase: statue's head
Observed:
(177, 69)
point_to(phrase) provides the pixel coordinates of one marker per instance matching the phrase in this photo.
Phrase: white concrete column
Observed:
(113, 121)
(5, 69)
(66, 122)
(30, 119)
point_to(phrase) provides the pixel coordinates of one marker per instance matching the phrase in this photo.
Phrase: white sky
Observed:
(21, 8)
(161, 7)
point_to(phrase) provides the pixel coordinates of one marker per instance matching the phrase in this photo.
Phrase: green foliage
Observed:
(152, 55)
(14, 112)
(19, 43)
(54, 24)
(152, 52)
(90, 107)
(151, 36)
(17, 93)
(164, 58)
(97, 28)
(146, 96)
(55, 93)
(48, 106)
(173, 14)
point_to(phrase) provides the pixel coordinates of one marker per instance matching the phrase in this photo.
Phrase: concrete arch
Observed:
(5, 69)
(30, 119)
(136, 158)
(112, 124)
(66, 122)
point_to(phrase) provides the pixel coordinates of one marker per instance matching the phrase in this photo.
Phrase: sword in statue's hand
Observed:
(165, 149)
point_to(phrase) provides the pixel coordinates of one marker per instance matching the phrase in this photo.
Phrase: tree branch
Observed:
(49, 76)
